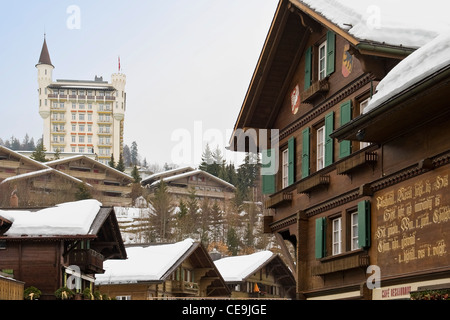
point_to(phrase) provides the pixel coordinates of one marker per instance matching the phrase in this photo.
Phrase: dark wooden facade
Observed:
(46, 262)
(355, 175)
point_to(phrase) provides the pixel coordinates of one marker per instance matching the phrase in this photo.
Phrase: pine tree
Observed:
(39, 153)
(232, 241)
(83, 192)
(207, 159)
(120, 165)
(134, 153)
(161, 201)
(111, 162)
(135, 174)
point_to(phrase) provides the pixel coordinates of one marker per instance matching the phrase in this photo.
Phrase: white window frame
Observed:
(363, 104)
(322, 63)
(354, 230)
(320, 147)
(285, 168)
(337, 235)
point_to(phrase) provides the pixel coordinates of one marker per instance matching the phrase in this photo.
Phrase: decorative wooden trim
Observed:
(283, 223)
(338, 97)
(333, 203)
(278, 199)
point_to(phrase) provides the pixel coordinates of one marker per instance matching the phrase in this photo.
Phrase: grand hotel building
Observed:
(81, 116)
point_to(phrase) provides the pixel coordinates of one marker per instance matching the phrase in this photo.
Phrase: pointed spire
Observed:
(45, 56)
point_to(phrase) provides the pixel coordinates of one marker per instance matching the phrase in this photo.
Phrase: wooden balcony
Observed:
(278, 199)
(355, 161)
(89, 261)
(185, 287)
(318, 87)
(341, 262)
(310, 183)
(9, 164)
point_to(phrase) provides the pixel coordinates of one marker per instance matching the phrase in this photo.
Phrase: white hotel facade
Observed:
(81, 116)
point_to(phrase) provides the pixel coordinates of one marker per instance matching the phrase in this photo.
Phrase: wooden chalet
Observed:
(45, 248)
(358, 182)
(40, 188)
(13, 163)
(110, 186)
(163, 271)
(181, 181)
(258, 275)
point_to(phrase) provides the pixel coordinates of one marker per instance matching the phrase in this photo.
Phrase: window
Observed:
(322, 71)
(285, 168)
(320, 148)
(81, 139)
(123, 297)
(74, 140)
(81, 116)
(337, 235)
(362, 106)
(81, 127)
(354, 230)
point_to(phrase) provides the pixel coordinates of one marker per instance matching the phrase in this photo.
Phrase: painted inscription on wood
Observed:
(413, 224)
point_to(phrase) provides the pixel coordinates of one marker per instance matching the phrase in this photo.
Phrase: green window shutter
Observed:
(291, 160)
(268, 180)
(346, 116)
(320, 238)
(331, 44)
(364, 224)
(308, 67)
(329, 142)
(305, 152)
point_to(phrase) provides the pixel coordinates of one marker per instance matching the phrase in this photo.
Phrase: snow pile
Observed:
(143, 263)
(71, 218)
(384, 22)
(237, 268)
(422, 63)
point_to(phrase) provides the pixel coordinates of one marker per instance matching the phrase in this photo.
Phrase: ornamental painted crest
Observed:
(347, 63)
(295, 99)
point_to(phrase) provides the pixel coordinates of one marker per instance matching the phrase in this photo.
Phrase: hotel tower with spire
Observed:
(81, 116)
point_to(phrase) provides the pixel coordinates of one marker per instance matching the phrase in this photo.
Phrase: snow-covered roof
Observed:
(71, 218)
(382, 21)
(238, 268)
(422, 63)
(148, 263)
(39, 173)
(159, 175)
(76, 157)
(193, 173)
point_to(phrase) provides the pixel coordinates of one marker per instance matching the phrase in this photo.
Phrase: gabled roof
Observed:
(156, 262)
(66, 219)
(357, 22)
(158, 176)
(193, 173)
(54, 163)
(293, 23)
(42, 172)
(37, 164)
(239, 268)
(84, 219)
(44, 58)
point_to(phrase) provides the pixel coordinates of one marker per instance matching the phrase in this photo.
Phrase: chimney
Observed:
(14, 200)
